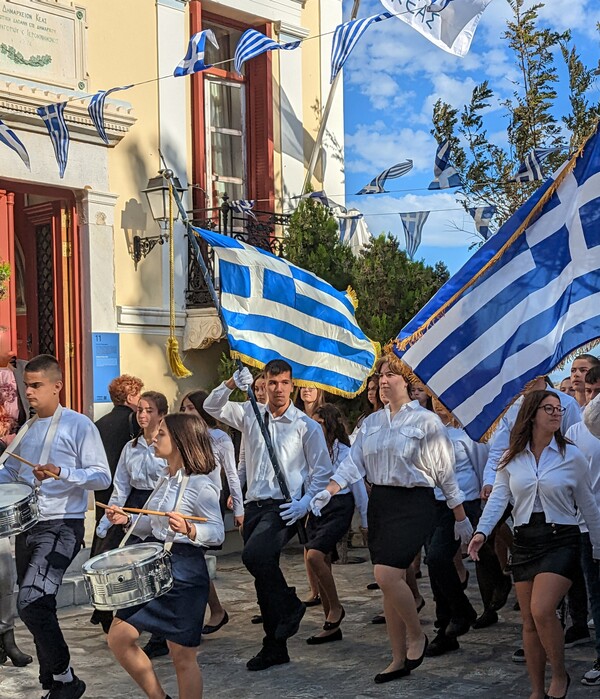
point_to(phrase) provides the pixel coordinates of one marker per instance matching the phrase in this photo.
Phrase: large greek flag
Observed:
(53, 116)
(346, 37)
(527, 298)
(275, 310)
(10, 139)
(252, 43)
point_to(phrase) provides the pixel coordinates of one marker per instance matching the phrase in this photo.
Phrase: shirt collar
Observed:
(289, 415)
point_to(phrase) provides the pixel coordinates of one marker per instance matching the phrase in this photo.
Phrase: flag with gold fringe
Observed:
(525, 301)
(275, 310)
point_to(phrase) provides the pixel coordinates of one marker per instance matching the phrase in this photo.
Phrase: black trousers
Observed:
(451, 601)
(43, 554)
(265, 535)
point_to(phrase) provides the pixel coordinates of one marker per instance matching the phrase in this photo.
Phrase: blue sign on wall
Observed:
(106, 363)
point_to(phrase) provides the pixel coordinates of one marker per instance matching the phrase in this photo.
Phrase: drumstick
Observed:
(118, 510)
(24, 461)
(137, 510)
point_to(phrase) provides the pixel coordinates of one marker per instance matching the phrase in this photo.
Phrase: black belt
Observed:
(266, 502)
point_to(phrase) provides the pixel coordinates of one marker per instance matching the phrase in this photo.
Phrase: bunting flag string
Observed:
(346, 37)
(530, 169)
(483, 215)
(323, 199)
(54, 119)
(243, 206)
(413, 223)
(377, 185)
(96, 109)
(10, 139)
(193, 61)
(354, 231)
(445, 175)
(252, 44)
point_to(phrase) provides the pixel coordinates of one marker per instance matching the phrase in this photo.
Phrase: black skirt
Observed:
(541, 547)
(325, 531)
(400, 522)
(178, 615)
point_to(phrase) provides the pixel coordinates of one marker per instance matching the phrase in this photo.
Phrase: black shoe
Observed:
(459, 627)
(331, 625)
(256, 619)
(208, 629)
(488, 618)
(501, 593)
(68, 690)
(313, 601)
(156, 647)
(267, 657)
(378, 619)
(576, 635)
(373, 586)
(10, 649)
(289, 626)
(318, 640)
(441, 644)
(383, 677)
(413, 664)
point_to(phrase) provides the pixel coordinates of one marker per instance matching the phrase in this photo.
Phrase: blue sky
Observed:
(391, 82)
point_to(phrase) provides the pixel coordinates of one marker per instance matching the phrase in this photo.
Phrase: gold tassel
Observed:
(178, 369)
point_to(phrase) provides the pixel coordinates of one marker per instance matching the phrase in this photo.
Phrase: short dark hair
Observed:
(594, 361)
(276, 367)
(593, 375)
(190, 436)
(46, 364)
(197, 399)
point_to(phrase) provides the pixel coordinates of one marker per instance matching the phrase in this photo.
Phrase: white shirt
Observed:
(563, 484)
(591, 416)
(410, 450)
(501, 437)
(589, 446)
(201, 499)
(358, 488)
(469, 460)
(225, 456)
(297, 440)
(77, 449)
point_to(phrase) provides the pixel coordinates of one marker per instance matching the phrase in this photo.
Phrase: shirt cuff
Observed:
(64, 474)
(456, 501)
(339, 480)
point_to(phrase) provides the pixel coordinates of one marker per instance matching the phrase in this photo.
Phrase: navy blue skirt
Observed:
(178, 615)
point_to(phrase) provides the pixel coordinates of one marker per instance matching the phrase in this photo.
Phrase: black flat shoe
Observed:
(256, 619)
(313, 601)
(331, 625)
(318, 640)
(373, 586)
(378, 619)
(549, 696)
(414, 664)
(488, 618)
(208, 629)
(383, 677)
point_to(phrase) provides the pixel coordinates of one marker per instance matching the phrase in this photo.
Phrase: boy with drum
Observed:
(71, 460)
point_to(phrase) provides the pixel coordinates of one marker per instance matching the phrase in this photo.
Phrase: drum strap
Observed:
(49, 438)
(171, 534)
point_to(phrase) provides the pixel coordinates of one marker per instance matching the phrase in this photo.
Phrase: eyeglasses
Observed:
(551, 409)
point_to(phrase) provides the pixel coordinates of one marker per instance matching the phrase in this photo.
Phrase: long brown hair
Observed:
(333, 426)
(522, 431)
(190, 435)
(197, 398)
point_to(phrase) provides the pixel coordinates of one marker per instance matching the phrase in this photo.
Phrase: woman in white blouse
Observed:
(548, 479)
(177, 615)
(404, 451)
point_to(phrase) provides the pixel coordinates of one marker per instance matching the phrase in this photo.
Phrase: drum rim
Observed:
(86, 567)
(25, 499)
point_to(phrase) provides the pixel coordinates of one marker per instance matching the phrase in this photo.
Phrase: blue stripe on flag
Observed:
(346, 37)
(252, 44)
(96, 109)
(54, 118)
(319, 285)
(10, 139)
(235, 279)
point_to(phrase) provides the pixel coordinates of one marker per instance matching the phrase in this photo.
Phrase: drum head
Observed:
(11, 493)
(124, 557)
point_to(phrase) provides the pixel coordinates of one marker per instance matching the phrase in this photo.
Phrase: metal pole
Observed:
(316, 151)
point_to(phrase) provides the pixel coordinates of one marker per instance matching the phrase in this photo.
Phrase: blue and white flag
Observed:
(445, 175)
(527, 299)
(243, 206)
(10, 139)
(449, 24)
(483, 215)
(354, 231)
(377, 185)
(323, 199)
(413, 223)
(193, 62)
(530, 169)
(53, 116)
(253, 43)
(96, 109)
(275, 310)
(346, 37)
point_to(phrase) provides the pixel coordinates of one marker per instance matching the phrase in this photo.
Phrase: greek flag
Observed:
(274, 309)
(377, 185)
(96, 109)
(483, 215)
(527, 299)
(253, 43)
(323, 199)
(354, 231)
(445, 175)
(243, 206)
(193, 62)
(346, 37)
(449, 24)
(413, 223)
(53, 116)
(530, 169)
(10, 139)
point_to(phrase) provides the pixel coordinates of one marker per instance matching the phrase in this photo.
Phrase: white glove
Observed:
(463, 531)
(292, 511)
(243, 379)
(103, 526)
(319, 502)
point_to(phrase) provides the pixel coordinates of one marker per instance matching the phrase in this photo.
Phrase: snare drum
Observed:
(128, 576)
(18, 508)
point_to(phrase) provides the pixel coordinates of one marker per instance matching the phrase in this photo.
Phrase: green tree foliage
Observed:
(485, 167)
(4, 277)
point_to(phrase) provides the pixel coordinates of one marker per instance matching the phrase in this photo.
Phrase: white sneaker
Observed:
(591, 624)
(592, 677)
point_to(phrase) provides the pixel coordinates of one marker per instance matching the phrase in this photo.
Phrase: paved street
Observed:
(481, 669)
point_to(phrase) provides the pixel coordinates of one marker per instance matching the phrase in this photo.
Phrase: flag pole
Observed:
(314, 157)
